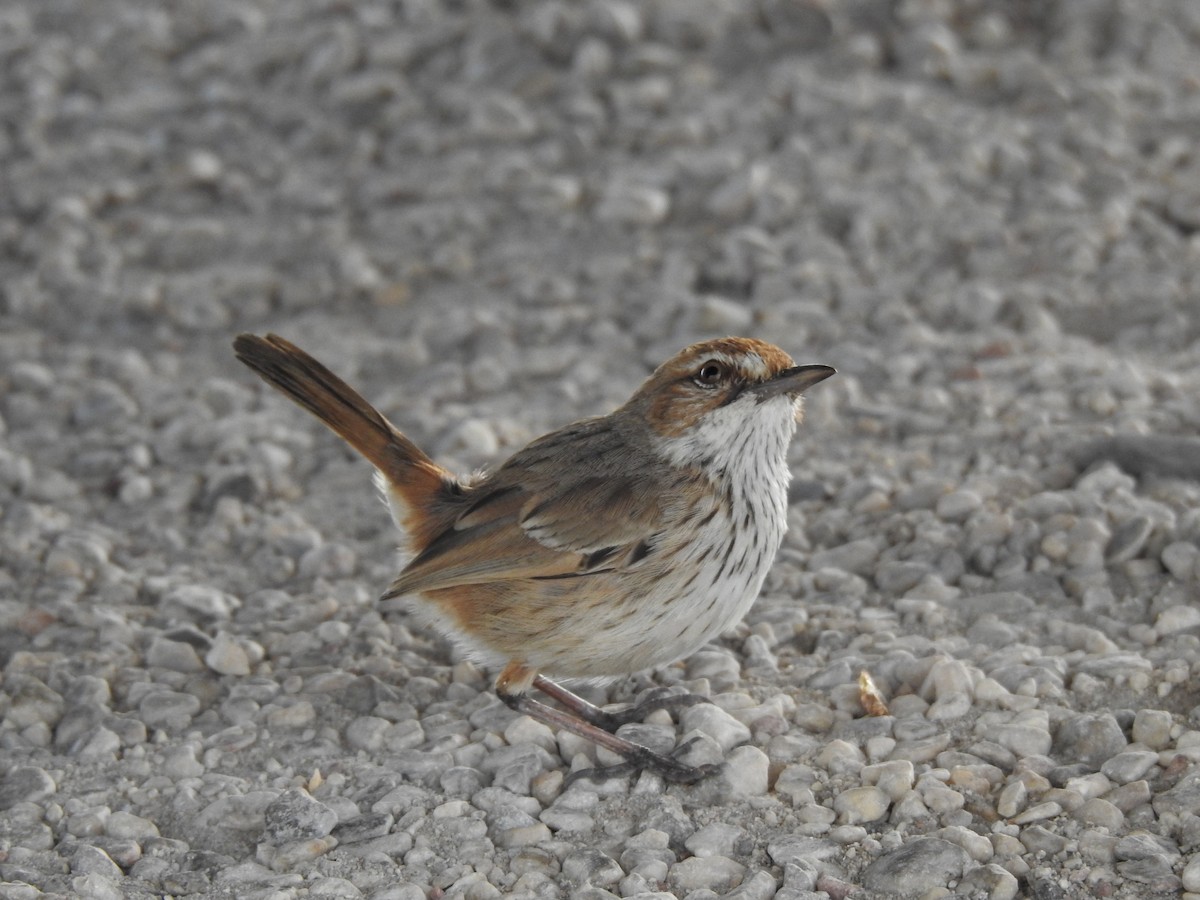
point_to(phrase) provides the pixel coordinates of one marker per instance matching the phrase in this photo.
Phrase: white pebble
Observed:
(747, 771)
(894, 778)
(226, 656)
(727, 731)
(861, 804)
(1175, 619)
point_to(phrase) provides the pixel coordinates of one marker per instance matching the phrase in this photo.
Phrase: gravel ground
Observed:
(495, 218)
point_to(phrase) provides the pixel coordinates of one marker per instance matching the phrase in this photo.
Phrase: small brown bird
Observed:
(608, 546)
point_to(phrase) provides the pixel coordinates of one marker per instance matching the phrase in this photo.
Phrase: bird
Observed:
(614, 544)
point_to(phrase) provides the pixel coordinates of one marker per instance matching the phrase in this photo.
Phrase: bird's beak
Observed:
(793, 381)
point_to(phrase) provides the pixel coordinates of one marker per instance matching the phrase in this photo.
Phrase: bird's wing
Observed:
(563, 506)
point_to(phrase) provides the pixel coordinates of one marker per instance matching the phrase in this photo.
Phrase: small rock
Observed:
(227, 656)
(992, 881)
(1156, 874)
(367, 733)
(1132, 795)
(178, 656)
(947, 677)
(714, 873)
(977, 846)
(294, 715)
(329, 888)
(89, 860)
(727, 731)
(1088, 786)
(894, 577)
(523, 835)
(856, 556)
(1100, 812)
(1037, 839)
(1129, 765)
(917, 868)
(894, 777)
(721, 316)
(633, 204)
(296, 816)
(747, 772)
(1175, 619)
(803, 851)
(1143, 845)
(958, 505)
(25, 784)
(1023, 739)
(363, 828)
(1181, 559)
(591, 867)
(190, 601)
(1091, 739)
(840, 757)
(290, 857)
(1038, 812)
(1191, 874)
(524, 730)
(32, 703)
(1152, 727)
(181, 761)
(122, 824)
(862, 804)
(1128, 539)
(169, 710)
(719, 839)
(1097, 848)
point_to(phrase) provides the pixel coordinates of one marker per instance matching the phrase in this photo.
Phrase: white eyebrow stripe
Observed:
(754, 366)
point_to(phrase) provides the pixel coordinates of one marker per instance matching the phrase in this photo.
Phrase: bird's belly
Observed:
(661, 614)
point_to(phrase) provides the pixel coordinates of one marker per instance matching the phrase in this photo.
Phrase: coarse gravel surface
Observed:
(495, 218)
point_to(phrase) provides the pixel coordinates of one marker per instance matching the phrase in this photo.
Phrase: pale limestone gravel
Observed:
(496, 218)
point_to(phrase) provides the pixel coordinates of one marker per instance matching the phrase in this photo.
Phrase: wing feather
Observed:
(565, 505)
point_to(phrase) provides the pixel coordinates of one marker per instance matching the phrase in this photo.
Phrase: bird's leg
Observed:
(611, 721)
(513, 688)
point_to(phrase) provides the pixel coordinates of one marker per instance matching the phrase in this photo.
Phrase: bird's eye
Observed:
(711, 373)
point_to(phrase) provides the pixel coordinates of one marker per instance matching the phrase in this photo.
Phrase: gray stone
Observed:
(1041, 840)
(178, 656)
(856, 556)
(1152, 727)
(25, 784)
(363, 828)
(1129, 765)
(727, 731)
(295, 816)
(992, 881)
(169, 710)
(1128, 797)
(1183, 798)
(1089, 738)
(916, 867)
(124, 824)
(1023, 739)
(1100, 812)
(591, 867)
(715, 873)
(895, 577)
(789, 849)
(1191, 874)
(1128, 539)
(719, 839)
(89, 860)
(861, 805)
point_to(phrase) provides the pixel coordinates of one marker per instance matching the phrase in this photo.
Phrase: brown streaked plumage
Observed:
(611, 545)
